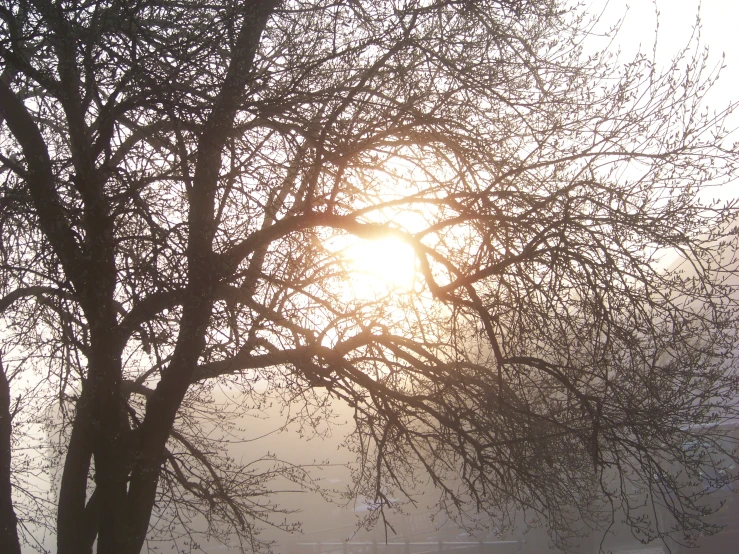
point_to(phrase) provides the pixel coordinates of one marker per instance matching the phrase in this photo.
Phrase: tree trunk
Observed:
(162, 406)
(8, 522)
(70, 538)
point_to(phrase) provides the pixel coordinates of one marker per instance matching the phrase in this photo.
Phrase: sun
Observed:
(376, 267)
(389, 260)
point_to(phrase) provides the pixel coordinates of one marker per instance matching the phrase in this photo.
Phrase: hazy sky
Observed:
(676, 21)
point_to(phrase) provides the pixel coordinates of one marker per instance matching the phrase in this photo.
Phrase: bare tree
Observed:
(181, 184)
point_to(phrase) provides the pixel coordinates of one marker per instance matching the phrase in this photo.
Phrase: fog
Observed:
(328, 514)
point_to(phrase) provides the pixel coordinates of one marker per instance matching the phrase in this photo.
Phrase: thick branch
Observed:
(40, 180)
(162, 406)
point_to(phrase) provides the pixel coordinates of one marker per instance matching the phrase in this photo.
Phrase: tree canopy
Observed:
(184, 183)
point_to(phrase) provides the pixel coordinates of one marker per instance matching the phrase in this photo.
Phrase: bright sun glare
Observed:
(380, 264)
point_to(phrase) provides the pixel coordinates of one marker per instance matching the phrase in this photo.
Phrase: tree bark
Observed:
(73, 488)
(8, 522)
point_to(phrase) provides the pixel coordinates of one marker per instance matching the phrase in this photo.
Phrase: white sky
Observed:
(720, 33)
